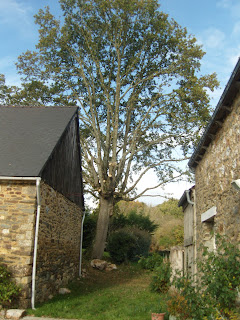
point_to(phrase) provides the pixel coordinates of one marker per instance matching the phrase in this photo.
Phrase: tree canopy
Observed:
(135, 75)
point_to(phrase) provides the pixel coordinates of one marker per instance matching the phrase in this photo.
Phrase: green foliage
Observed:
(141, 244)
(214, 292)
(174, 238)
(161, 278)
(117, 221)
(177, 305)
(128, 244)
(221, 273)
(170, 207)
(9, 291)
(7, 93)
(89, 229)
(132, 220)
(161, 268)
(115, 59)
(120, 244)
(135, 73)
(151, 262)
(141, 222)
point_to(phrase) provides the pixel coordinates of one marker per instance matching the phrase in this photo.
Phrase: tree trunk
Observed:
(105, 210)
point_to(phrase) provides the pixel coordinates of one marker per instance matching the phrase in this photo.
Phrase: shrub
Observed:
(128, 244)
(221, 272)
(151, 262)
(119, 244)
(161, 278)
(89, 229)
(132, 220)
(141, 222)
(178, 306)
(141, 246)
(214, 293)
(174, 238)
(117, 221)
(9, 291)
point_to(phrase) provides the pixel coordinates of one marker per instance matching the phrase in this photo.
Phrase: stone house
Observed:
(41, 198)
(213, 205)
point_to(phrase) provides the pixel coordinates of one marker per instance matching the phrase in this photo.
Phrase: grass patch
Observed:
(121, 294)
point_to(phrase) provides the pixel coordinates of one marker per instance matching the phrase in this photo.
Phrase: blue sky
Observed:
(215, 24)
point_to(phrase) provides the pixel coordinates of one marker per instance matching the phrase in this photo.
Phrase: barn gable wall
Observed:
(58, 242)
(63, 169)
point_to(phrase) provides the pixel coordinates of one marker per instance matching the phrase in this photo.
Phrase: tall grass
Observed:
(122, 294)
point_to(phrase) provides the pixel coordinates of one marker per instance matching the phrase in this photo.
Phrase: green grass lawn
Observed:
(120, 294)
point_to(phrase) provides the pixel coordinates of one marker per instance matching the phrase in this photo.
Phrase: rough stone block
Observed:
(15, 314)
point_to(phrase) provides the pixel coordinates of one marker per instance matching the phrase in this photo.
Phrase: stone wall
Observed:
(58, 242)
(17, 220)
(214, 174)
(176, 259)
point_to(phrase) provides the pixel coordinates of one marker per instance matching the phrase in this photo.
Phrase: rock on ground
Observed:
(15, 314)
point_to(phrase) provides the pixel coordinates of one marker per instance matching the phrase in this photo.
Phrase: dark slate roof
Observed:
(28, 136)
(222, 110)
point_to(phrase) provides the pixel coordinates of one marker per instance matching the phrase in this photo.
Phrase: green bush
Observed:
(132, 220)
(128, 244)
(151, 262)
(141, 222)
(175, 237)
(141, 245)
(117, 221)
(89, 229)
(9, 291)
(215, 290)
(161, 278)
(119, 244)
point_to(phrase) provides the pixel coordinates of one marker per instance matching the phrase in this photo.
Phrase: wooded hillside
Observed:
(167, 215)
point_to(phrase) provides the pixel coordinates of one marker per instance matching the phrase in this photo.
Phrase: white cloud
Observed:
(170, 190)
(234, 57)
(6, 62)
(224, 3)
(236, 29)
(13, 12)
(232, 5)
(212, 38)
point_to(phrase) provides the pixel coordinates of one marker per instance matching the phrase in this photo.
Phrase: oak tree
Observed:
(135, 75)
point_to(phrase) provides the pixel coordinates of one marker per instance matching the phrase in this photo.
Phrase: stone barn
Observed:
(41, 198)
(213, 205)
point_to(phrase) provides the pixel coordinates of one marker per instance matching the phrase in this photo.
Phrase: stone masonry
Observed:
(17, 220)
(58, 244)
(214, 174)
(58, 241)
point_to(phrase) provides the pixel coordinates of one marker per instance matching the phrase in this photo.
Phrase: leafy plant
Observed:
(178, 306)
(141, 222)
(213, 294)
(89, 229)
(151, 262)
(132, 219)
(161, 279)
(221, 272)
(9, 291)
(128, 244)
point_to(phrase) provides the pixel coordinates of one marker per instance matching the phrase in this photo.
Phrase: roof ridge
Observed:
(40, 107)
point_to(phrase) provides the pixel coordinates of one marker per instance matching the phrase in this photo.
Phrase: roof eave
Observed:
(224, 107)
